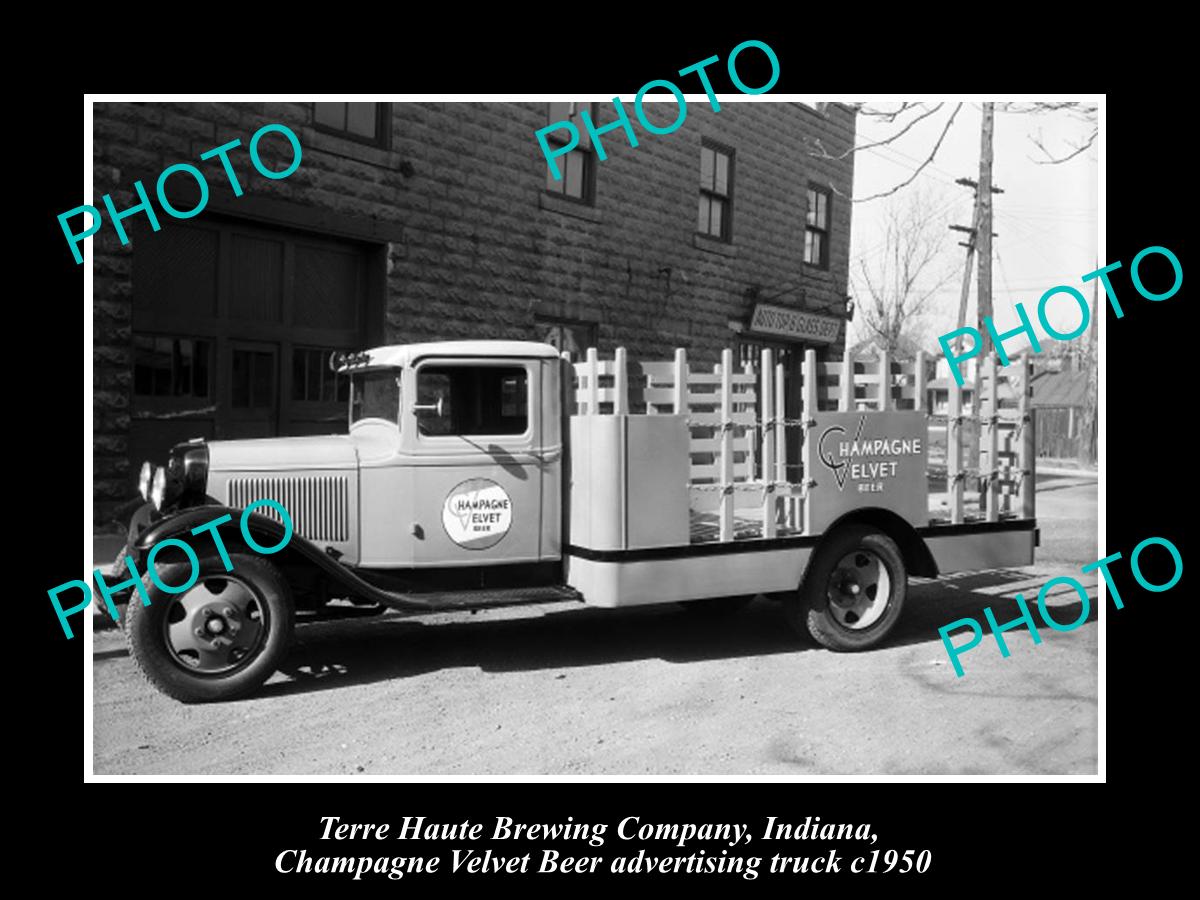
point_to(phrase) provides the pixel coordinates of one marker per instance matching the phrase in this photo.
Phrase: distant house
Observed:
(942, 382)
(866, 396)
(1060, 398)
(939, 387)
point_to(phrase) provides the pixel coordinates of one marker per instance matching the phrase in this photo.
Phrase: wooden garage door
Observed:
(233, 325)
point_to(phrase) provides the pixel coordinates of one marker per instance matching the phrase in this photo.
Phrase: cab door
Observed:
(477, 467)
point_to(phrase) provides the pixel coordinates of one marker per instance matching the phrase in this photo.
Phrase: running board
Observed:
(488, 598)
(481, 598)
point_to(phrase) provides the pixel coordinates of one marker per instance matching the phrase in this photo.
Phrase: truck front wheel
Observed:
(218, 640)
(853, 592)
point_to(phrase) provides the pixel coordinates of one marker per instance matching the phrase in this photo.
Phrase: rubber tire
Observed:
(122, 573)
(147, 643)
(717, 607)
(139, 521)
(820, 623)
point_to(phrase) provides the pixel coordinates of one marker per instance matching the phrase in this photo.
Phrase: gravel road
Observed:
(570, 690)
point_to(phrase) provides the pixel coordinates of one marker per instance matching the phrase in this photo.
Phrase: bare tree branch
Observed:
(1081, 112)
(824, 154)
(883, 114)
(1051, 160)
(921, 167)
(896, 289)
(1079, 109)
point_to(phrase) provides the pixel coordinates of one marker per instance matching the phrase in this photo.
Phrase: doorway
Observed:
(233, 325)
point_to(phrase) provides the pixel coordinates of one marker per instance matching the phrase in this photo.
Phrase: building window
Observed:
(312, 380)
(171, 366)
(577, 167)
(253, 379)
(816, 228)
(568, 335)
(474, 400)
(716, 192)
(367, 123)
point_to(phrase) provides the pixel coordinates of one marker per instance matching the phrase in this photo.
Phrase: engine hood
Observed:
(333, 451)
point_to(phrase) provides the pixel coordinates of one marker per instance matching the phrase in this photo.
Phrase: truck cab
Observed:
(453, 457)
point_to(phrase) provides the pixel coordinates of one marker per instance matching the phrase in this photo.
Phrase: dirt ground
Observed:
(558, 690)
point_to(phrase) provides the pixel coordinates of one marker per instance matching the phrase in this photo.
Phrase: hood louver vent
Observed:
(318, 505)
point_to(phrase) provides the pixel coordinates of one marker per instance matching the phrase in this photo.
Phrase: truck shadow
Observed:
(338, 654)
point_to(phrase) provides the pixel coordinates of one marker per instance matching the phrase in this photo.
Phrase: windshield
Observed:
(375, 395)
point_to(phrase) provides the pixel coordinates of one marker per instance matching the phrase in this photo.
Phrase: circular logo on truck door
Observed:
(477, 514)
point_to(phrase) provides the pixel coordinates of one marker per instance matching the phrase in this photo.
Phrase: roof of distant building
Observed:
(1060, 388)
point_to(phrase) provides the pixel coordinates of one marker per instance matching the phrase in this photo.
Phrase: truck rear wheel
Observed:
(218, 640)
(853, 592)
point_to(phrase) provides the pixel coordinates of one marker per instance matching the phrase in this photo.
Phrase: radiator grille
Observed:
(319, 505)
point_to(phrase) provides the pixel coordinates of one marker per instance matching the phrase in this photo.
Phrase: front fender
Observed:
(269, 533)
(179, 525)
(141, 519)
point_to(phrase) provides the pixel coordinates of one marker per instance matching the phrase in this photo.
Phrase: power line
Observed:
(1004, 279)
(906, 162)
(1037, 231)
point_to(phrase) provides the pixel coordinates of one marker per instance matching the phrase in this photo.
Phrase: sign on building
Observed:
(792, 323)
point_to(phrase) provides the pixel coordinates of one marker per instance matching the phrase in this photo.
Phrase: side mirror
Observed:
(427, 408)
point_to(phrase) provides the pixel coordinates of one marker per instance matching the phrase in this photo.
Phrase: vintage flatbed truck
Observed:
(479, 474)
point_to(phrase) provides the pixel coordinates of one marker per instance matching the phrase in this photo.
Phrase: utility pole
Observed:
(969, 243)
(984, 226)
(1089, 450)
(979, 237)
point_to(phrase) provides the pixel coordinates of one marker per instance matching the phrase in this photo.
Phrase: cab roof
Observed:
(406, 354)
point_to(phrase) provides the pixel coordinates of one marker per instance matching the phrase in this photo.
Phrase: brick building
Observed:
(428, 221)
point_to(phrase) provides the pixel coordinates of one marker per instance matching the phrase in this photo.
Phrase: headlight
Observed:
(194, 475)
(159, 488)
(144, 479)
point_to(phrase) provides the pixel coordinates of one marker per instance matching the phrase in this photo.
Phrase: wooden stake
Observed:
(620, 384)
(808, 457)
(846, 404)
(593, 381)
(1028, 490)
(920, 401)
(681, 379)
(726, 455)
(751, 436)
(885, 381)
(781, 439)
(770, 492)
(993, 443)
(954, 482)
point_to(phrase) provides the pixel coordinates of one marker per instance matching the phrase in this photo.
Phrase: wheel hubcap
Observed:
(216, 626)
(859, 589)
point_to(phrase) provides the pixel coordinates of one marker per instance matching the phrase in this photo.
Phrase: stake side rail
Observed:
(749, 477)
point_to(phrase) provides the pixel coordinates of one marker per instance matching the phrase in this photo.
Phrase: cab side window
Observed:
(475, 400)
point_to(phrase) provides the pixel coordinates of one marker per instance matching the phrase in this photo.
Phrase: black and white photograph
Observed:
(671, 435)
